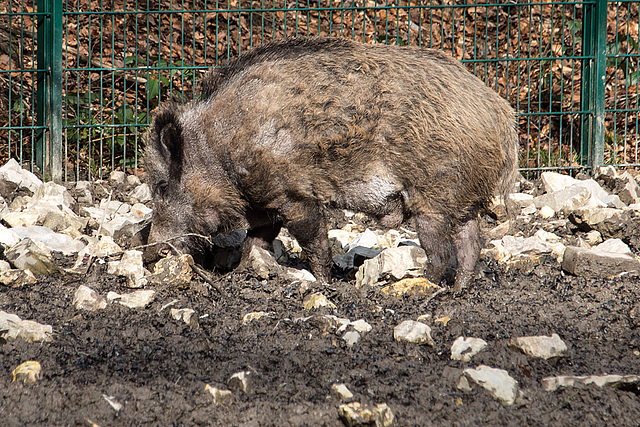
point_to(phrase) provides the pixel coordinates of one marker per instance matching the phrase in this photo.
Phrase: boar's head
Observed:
(191, 195)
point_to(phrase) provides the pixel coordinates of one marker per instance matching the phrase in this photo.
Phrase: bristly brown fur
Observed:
(297, 125)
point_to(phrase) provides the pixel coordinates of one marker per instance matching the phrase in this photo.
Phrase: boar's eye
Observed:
(161, 187)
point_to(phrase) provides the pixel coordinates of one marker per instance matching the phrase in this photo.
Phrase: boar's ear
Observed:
(169, 140)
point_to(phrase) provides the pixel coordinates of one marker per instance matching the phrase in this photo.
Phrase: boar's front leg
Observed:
(306, 222)
(435, 239)
(468, 245)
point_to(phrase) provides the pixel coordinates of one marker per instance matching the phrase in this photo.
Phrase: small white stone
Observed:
(361, 326)
(12, 172)
(113, 402)
(250, 317)
(544, 347)
(12, 327)
(300, 274)
(220, 397)
(553, 383)
(133, 181)
(355, 414)
(96, 248)
(131, 265)
(554, 181)
(142, 193)
(317, 300)
(546, 212)
(137, 299)
(31, 255)
(341, 391)
(117, 177)
(8, 237)
(262, 263)
(342, 238)
(16, 278)
(392, 264)
(53, 241)
(390, 239)
(351, 338)
(497, 381)
(367, 239)
(184, 314)
(463, 384)
(593, 237)
(329, 322)
(86, 298)
(465, 348)
(412, 331)
(613, 246)
(21, 219)
(139, 212)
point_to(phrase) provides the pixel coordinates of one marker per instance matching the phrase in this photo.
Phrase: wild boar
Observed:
(298, 126)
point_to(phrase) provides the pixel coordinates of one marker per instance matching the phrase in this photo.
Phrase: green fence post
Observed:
(48, 154)
(593, 83)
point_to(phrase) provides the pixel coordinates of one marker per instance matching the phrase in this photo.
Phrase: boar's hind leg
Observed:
(468, 245)
(435, 238)
(307, 224)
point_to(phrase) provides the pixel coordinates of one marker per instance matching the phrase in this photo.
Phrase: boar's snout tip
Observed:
(154, 252)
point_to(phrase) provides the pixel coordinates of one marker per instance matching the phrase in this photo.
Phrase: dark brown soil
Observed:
(157, 367)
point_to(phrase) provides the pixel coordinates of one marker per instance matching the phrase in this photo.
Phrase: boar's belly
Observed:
(373, 196)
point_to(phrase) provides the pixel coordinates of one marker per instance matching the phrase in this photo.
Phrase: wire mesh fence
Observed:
(122, 58)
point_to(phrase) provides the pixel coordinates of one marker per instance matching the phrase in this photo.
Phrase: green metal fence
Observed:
(79, 79)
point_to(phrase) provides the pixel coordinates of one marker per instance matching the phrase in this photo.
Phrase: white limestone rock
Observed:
(609, 259)
(220, 396)
(86, 298)
(142, 193)
(617, 381)
(496, 381)
(137, 299)
(392, 264)
(12, 327)
(541, 346)
(183, 314)
(317, 300)
(412, 331)
(351, 338)
(465, 348)
(355, 414)
(367, 239)
(131, 266)
(341, 392)
(53, 241)
(12, 177)
(33, 256)
(542, 242)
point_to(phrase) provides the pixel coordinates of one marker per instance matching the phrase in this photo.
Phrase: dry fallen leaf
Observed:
(444, 320)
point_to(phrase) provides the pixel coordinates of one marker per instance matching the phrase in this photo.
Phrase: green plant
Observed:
(624, 63)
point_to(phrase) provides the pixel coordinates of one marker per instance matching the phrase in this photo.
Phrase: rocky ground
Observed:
(547, 334)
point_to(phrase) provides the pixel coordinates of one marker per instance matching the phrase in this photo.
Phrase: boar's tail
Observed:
(506, 184)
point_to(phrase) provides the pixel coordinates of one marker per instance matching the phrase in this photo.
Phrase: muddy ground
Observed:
(157, 367)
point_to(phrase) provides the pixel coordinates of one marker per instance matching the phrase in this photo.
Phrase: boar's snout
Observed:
(153, 253)
(159, 246)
